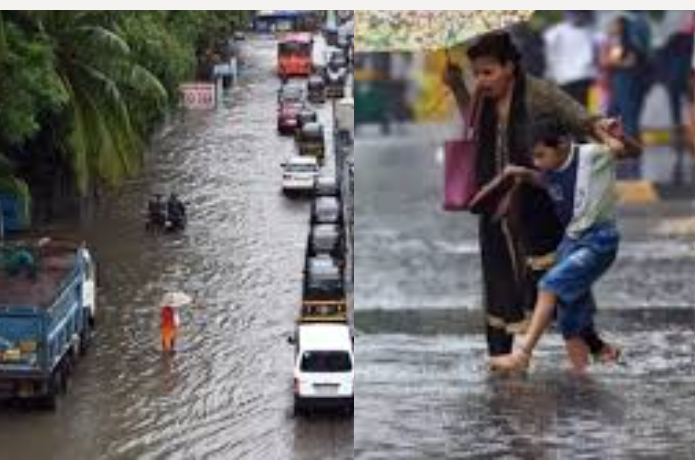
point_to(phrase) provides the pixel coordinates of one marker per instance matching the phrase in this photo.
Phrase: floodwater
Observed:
(424, 389)
(227, 392)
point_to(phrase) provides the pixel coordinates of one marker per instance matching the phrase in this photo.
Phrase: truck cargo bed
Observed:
(54, 269)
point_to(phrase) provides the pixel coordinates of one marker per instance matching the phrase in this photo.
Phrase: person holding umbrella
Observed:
(515, 256)
(170, 320)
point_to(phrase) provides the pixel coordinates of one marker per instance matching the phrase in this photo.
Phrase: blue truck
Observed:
(46, 319)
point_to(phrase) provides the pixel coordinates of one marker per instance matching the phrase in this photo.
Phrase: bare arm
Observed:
(453, 79)
(609, 131)
(524, 175)
(552, 100)
(545, 98)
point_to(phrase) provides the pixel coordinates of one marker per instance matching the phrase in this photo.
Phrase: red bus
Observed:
(295, 52)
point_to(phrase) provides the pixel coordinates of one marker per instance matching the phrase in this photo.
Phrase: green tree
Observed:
(86, 88)
(97, 70)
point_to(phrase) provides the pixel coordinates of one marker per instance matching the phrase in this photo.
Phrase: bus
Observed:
(295, 53)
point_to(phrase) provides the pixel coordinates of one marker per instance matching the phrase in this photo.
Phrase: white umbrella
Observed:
(176, 299)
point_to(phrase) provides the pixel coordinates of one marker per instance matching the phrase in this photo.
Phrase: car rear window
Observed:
(297, 168)
(326, 362)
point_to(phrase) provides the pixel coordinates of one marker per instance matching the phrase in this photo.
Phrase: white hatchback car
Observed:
(299, 175)
(324, 373)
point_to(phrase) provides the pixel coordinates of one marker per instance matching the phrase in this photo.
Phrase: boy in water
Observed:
(580, 179)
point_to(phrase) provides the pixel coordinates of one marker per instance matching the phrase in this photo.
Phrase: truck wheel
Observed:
(64, 376)
(49, 401)
(85, 338)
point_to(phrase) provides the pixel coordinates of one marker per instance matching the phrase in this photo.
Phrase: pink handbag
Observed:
(460, 161)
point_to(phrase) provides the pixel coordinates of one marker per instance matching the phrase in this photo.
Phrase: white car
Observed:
(324, 373)
(299, 174)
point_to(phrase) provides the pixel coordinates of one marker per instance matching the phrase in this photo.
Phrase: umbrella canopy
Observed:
(176, 299)
(426, 30)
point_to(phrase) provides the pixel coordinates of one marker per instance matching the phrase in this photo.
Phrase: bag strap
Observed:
(471, 117)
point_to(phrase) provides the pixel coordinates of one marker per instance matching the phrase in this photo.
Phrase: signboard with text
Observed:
(198, 96)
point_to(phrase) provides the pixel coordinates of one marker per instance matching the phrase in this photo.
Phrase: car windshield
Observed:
(326, 362)
(324, 242)
(291, 107)
(322, 266)
(300, 168)
(338, 58)
(327, 208)
(295, 48)
(306, 118)
(291, 94)
(323, 232)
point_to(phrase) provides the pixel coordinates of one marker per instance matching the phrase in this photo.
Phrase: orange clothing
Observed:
(169, 328)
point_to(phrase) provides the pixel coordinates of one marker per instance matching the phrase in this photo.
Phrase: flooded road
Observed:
(424, 388)
(227, 393)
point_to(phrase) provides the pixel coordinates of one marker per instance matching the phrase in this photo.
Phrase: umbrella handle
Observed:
(449, 61)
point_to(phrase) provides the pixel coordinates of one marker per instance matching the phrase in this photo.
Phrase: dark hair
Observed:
(497, 45)
(548, 131)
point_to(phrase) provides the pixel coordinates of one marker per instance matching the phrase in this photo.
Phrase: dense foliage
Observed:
(80, 91)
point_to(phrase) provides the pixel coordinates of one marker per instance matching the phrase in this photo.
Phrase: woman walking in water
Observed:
(514, 256)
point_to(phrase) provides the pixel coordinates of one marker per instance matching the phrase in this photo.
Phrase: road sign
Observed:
(198, 96)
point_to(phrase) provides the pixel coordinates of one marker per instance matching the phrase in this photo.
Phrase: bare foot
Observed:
(609, 354)
(517, 361)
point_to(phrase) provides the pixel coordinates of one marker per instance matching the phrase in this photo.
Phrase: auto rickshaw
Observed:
(324, 311)
(311, 141)
(336, 77)
(316, 89)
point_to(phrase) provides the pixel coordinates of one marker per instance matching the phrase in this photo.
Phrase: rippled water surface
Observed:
(424, 390)
(228, 392)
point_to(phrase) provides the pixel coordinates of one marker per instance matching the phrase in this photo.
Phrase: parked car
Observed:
(311, 141)
(292, 92)
(287, 117)
(316, 89)
(327, 186)
(324, 369)
(323, 279)
(326, 210)
(326, 239)
(304, 117)
(299, 175)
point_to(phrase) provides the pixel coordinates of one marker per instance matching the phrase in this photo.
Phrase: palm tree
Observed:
(3, 38)
(98, 72)
(3, 42)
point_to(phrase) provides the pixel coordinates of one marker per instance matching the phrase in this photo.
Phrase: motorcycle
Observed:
(160, 220)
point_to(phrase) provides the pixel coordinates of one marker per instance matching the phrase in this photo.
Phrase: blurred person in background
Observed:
(623, 59)
(672, 61)
(571, 54)
(529, 41)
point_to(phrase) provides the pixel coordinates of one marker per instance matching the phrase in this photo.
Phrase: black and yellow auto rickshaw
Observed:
(324, 311)
(335, 77)
(311, 141)
(316, 89)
